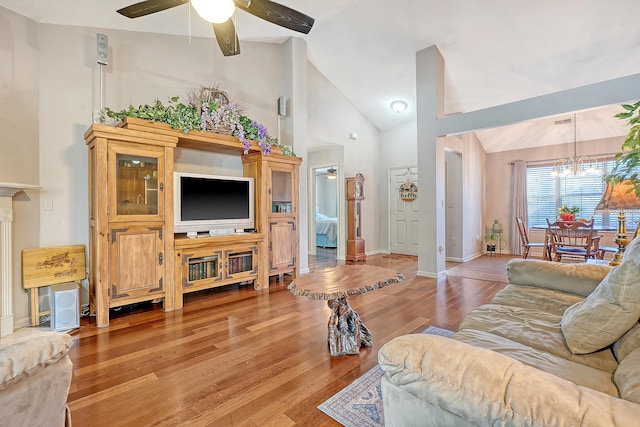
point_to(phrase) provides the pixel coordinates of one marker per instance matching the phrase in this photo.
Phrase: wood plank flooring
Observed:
(239, 357)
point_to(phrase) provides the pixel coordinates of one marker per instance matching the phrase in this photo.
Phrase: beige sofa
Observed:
(558, 346)
(35, 376)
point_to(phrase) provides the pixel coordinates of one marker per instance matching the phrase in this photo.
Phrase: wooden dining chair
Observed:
(613, 249)
(572, 239)
(527, 245)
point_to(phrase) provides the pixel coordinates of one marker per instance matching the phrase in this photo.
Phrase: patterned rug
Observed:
(360, 403)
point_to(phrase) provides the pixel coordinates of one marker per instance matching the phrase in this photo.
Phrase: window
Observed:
(545, 194)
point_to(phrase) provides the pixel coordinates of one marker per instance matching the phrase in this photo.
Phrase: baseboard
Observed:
(426, 274)
(379, 251)
(472, 257)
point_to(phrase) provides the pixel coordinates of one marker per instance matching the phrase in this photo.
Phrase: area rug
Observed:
(360, 403)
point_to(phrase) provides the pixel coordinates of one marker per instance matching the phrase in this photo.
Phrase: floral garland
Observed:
(213, 115)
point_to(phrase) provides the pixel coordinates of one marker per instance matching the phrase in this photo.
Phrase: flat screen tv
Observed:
(212, 202)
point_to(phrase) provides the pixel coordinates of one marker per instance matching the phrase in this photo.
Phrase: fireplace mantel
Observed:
(7, 191)
(11, 188)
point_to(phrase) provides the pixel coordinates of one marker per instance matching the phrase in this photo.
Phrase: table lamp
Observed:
(619, 197)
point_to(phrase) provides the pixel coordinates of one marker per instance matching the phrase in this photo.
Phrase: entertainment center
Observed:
(140, 212)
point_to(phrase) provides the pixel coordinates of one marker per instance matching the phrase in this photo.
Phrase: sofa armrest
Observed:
(580, 279)
(483, 387)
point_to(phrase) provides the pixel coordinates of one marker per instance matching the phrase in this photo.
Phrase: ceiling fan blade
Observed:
(148, 7)
(227, 38)
(277, 14)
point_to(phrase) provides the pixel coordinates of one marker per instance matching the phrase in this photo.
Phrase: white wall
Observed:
(331, 119)
(19, 159)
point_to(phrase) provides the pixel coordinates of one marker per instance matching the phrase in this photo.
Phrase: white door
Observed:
(403, 216)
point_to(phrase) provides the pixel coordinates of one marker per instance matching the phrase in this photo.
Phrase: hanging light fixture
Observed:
(581, 166)
(214, 11)
(399, 106)
(331, 173)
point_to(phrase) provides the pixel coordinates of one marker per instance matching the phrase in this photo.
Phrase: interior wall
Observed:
(498, 172)
(19, 159)
(331, 120)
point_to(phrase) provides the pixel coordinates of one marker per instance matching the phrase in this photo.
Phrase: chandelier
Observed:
(581, 166)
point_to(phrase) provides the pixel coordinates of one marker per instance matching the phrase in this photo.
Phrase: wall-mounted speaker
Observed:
(65, 309)
(103, 49)
(282, 106)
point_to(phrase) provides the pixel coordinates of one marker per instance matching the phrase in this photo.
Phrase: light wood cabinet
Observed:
(277, 211)
(134, 254)
(136, 263)
(209, 262)
(130, 188)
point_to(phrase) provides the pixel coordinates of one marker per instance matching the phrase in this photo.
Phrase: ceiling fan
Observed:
(219, 13)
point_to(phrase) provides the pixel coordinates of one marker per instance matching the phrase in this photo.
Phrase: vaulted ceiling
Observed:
(495, 52)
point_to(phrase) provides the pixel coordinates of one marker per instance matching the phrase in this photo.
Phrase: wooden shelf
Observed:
(195, 140)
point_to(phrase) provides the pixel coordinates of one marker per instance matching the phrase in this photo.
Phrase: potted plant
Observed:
(628, 160)
(493, 235)
(568, 213)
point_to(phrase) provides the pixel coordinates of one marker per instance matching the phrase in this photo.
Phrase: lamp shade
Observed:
(214, 11)
(619, 197)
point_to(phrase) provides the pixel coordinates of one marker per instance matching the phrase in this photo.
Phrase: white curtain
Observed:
(518, 202)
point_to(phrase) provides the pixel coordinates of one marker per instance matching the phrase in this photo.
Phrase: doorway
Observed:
(326, 212)
(453, 202)
(403, 215)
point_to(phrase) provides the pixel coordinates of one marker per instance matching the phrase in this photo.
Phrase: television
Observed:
(212, 202)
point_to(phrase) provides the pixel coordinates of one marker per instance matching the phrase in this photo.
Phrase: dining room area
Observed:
(572, 240)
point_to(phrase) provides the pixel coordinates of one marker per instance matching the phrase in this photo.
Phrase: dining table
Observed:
(546, 255)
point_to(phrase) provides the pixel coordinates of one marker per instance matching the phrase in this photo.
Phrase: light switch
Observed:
(47, 205)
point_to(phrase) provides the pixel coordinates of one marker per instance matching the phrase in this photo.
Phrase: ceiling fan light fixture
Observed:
(214, 11)
(331, 173)
(399, 106)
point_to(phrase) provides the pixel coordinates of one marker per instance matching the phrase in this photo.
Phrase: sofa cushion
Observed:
(483, 387)
(627, 377)
(537, 329)
(571, 371)
(580, 279)
(632, 251)
(538, 299)
(607, 313)
(28, 354)
(629, 342)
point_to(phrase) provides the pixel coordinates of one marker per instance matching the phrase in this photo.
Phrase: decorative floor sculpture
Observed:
(346, 332)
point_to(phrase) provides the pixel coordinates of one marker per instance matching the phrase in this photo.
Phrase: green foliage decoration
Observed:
(627, 165)
(186, 117)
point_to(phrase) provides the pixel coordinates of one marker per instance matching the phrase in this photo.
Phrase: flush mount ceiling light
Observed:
(331, 173)
(399, 106)
(214, 11)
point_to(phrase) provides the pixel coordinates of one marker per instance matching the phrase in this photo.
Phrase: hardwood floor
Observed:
(239, 357)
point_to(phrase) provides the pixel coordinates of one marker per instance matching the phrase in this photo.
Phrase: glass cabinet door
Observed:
(281, 191)
(137, 184)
